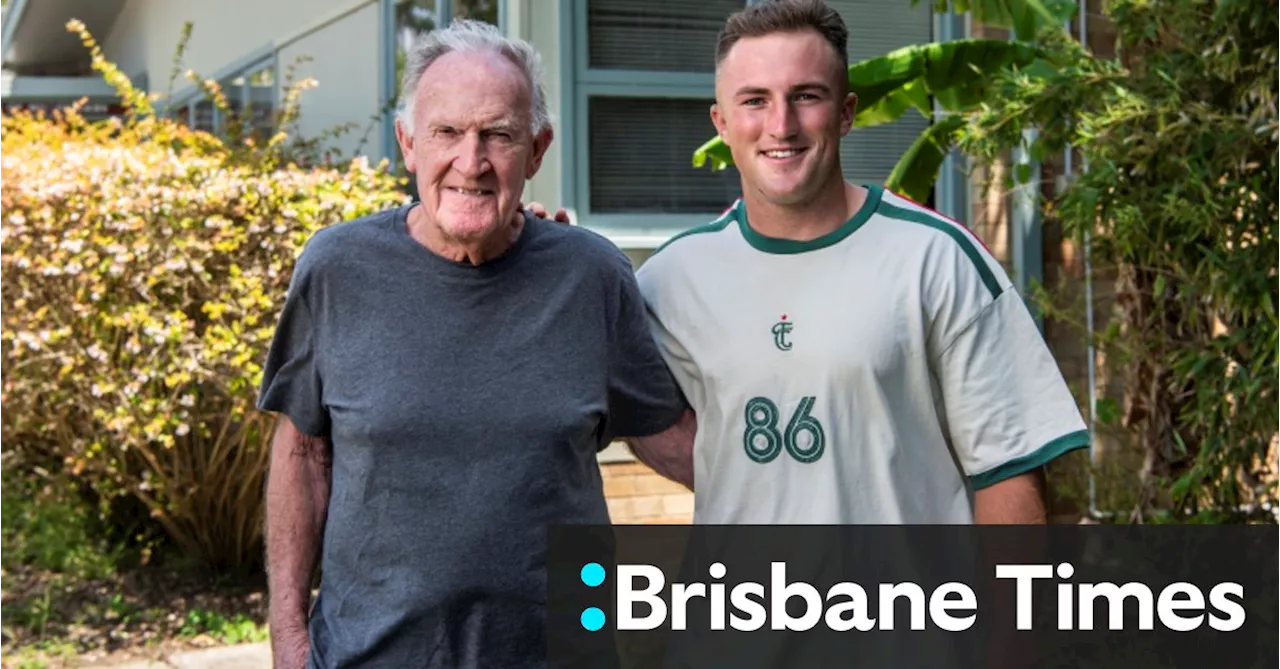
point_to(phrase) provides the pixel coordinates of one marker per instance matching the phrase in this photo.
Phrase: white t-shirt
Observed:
(878, 374)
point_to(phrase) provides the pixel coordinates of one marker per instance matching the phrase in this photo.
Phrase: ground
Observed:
(146, 614)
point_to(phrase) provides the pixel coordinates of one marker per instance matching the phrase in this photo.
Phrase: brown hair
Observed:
(775, 16)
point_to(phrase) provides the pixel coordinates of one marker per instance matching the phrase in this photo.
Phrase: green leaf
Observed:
(1108, 411)
(1023, 173)
(714, 151)
(957, 73)
(915, 173)
(913, 95)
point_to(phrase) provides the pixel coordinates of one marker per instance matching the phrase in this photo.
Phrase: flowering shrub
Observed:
(144, 266)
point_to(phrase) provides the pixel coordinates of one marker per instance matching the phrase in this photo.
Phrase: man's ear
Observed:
(717, 119)
(847, 112)
(405, 139)
(541, 142)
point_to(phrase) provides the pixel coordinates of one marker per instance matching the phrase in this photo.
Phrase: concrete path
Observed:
(245, 656)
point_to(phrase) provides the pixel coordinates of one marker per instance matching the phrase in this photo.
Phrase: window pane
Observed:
(203, 116)
(261, 103)
(640, 151)
(667, 35)
(251, 104)
(413, 19)
(481, 10)
(233, 91)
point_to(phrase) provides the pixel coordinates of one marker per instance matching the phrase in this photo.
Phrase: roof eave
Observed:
(9, 19)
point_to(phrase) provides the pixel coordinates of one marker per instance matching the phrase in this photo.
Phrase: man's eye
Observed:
(751, 102)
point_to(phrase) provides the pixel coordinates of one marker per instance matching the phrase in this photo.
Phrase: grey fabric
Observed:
(465, 405)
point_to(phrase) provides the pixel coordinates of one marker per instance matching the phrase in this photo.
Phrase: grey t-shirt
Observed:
(465, 405)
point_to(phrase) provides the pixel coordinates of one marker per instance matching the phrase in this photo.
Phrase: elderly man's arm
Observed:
(670, 452)
(297, 505)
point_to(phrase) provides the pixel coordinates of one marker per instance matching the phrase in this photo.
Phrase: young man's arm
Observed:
(1007, 407)
(298, 484)
(1014, 501)
(670, 452)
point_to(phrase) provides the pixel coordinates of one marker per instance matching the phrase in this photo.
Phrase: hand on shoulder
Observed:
(537, 209)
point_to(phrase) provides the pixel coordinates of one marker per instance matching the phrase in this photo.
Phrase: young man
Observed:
(852, 357)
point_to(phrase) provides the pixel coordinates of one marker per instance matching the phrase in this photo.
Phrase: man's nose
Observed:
(783, 122)
(472, 159)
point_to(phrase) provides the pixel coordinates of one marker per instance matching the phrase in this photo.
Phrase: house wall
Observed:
(538, 22)
(341, 37)
(344, 57)
(638, 495)
(147, 31)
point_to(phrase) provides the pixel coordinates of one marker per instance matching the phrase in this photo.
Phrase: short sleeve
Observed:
(290, 378)
(653, 279)
(644, 398)
(677, 358)
(1008, 408)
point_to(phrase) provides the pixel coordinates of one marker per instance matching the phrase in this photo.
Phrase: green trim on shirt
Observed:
(776, 245)
(1039, 458)
(714, 226)
(954, 232)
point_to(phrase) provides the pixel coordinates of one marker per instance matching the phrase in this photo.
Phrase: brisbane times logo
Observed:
(644, 601)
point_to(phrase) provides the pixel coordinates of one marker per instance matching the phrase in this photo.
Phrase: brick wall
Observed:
(638, 495)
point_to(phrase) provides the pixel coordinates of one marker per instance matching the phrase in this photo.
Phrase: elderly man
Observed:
(445, 374)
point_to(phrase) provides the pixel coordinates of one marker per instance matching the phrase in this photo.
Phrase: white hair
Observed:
(474, 36)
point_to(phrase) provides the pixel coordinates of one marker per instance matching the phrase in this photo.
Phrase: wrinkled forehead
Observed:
(476, 116)
(477, 88)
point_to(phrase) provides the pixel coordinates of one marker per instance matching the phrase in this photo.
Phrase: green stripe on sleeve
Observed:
(966, 244)
(722, 222)
(1041, 457)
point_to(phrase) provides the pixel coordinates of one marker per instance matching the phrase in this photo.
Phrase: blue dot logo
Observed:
(592, 574)
(592, 619)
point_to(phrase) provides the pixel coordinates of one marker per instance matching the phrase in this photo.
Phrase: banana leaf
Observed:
(917, 170)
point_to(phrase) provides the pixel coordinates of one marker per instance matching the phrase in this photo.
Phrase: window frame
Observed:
(580, 83)
(191, 95)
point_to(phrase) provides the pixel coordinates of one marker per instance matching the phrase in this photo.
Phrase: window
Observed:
(653, 174)
(643, 82)
(644, 78)
(252, 98)
(480, 10)
(655, 35)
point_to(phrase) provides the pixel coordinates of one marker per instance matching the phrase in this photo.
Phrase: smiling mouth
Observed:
(474, 192)
(783, 154)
